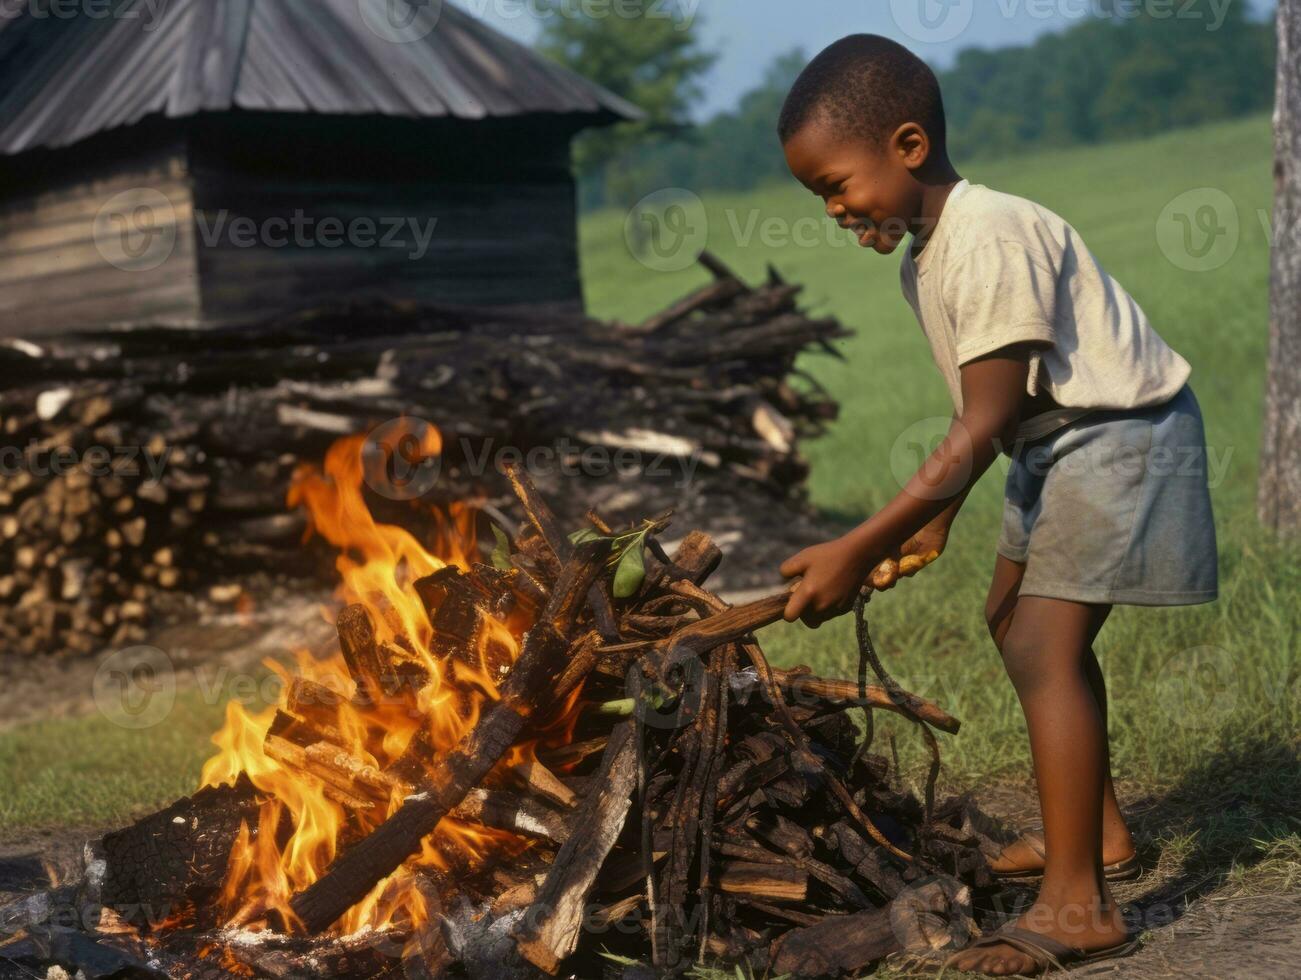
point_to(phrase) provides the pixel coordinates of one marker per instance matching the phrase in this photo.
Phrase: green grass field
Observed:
(1206, 711)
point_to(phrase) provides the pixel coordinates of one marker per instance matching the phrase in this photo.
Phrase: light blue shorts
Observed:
(1114, 508)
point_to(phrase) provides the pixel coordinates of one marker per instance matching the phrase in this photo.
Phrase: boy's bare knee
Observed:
(998, 615)
(1022, 656)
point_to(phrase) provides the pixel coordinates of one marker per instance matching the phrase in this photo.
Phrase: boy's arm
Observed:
(993, 391)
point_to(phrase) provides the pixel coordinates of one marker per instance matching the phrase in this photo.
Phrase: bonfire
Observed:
(563, 755)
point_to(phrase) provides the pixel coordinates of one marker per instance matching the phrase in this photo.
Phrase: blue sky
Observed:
(748, 34)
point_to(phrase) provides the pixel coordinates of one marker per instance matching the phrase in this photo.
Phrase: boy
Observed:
(1048, 357)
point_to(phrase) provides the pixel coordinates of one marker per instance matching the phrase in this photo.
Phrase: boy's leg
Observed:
(1000, 610)
(1117, 841)
(1045, 650)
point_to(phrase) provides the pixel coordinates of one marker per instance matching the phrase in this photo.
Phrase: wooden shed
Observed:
(201, 162)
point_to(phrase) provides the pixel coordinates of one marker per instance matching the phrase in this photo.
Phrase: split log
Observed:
(336, 783)
(777, 882)
(574, 752)
(553, 925)
(357, 642)
(805, 689)
(844, 944)
(841, 885)
(541, 781)
(517, 814)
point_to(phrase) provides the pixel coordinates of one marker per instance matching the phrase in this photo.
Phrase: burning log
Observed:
(540, 780)
(517, 814)
(174, 861)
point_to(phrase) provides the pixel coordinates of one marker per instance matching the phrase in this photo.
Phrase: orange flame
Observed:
(304, 820)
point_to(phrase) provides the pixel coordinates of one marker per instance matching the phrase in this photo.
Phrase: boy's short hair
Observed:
(869, 86)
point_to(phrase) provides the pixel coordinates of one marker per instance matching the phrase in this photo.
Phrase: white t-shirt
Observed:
(1001, 270)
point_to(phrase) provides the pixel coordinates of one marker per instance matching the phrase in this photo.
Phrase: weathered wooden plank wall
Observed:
(119, 247)
(475, 214)
(498, 196)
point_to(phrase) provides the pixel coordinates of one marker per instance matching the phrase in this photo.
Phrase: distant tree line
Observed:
(1102, 79)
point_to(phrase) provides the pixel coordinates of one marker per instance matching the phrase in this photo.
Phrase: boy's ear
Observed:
(912, 146)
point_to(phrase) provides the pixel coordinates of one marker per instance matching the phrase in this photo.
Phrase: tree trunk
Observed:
(1279, 500)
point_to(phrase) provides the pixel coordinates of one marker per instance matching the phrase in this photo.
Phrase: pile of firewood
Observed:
(87, 539)
(176, 447)
(708, 807)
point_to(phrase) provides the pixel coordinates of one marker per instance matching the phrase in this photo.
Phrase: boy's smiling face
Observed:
(870, 189)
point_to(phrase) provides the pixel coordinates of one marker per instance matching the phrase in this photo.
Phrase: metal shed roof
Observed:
(72, 68)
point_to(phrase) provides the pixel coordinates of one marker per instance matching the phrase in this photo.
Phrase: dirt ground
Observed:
(1191, 927)
(282, 620)
(1211, 938)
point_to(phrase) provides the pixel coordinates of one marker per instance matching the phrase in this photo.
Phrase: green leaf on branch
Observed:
(631, 570)
(582, 536)
(501, 553)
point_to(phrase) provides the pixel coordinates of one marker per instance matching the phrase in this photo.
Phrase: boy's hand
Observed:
(833, 574)
(918, 552)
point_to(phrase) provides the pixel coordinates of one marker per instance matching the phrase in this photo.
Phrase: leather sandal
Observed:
(1126, 870)
(1047, 953)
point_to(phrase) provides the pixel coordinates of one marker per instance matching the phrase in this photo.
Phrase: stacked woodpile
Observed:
(145, 464)
(90, 528)
(708, 807)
